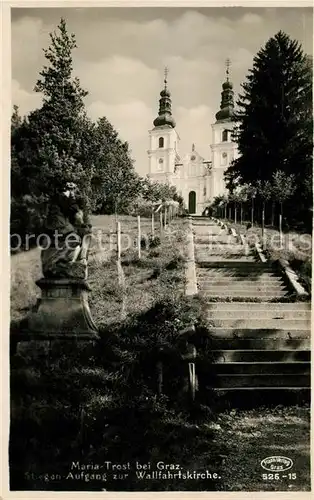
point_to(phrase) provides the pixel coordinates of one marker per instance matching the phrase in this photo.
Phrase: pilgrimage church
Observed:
(197, 180)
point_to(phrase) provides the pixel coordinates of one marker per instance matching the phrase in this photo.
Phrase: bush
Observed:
(28, 216)
(175, 263)
(304, 270)
(154, 241)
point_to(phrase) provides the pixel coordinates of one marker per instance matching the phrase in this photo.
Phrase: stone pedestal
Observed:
(63, 309)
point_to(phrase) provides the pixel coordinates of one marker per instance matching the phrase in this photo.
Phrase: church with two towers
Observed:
(196, 179)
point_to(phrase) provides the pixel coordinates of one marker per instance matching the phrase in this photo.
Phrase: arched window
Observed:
(161, 142)
(225, 135)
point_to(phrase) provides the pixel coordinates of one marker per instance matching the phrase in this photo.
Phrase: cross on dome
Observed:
(228, 64)
(166, 75)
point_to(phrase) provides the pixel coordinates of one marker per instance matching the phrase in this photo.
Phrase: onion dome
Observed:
(226, 111)
(227, 85)
(165, 114)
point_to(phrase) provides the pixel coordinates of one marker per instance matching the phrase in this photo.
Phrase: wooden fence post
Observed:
(119, 240)
(139, 236)
(153, 224)
(121, 277)
(252, 212)
(280, 231)
(192, 377)
(165, 218)
(161, 223)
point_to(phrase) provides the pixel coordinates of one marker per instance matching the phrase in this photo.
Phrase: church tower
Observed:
(163, 140)
(223, 149)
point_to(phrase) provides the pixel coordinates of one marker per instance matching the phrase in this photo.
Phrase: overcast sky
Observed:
(122, 52)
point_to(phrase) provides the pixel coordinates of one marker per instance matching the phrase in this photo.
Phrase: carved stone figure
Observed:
(69, 236)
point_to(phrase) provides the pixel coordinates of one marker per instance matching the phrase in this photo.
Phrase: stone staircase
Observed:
(259, 340)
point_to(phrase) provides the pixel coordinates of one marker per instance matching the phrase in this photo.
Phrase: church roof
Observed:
(226, 112)
(165, 112)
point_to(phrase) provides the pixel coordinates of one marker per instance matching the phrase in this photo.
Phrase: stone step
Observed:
(225, 273)
(284, 328)
(219, 244)
(253, 306)
(262, 314)
(215, 250)
(300, 341)
(263, 380)
(207, 249)
(260, 356)
(249, 293)
(235, 286)
(219, 254)
(293, 393)
(201, 229)
(267, 324)
(247, 266)
(233, 280)
(263, 368)
(206, 245)
(217, 261)
(212, 232)
(210, 274)
(226, 298)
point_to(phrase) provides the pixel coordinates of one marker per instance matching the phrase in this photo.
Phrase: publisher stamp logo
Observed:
(276, 463)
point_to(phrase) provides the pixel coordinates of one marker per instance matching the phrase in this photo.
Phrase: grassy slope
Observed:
(106, 295)
(144, 282)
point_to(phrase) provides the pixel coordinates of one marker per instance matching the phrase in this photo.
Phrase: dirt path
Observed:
(254, 435)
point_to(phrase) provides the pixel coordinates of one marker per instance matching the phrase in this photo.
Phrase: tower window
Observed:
(225, 135)
(161, 142)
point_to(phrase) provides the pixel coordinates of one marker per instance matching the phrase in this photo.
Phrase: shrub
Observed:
(304, 270)
(154, 241)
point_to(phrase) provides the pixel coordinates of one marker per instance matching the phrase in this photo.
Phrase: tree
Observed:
(242, 197)
(52, 146)
(114, 182)
(265, 192)
(219, 205)
(274, 116)
(283, 189)
(232, 178)
(249, 192)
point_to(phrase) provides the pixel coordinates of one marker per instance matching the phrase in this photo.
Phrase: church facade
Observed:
(197, 180)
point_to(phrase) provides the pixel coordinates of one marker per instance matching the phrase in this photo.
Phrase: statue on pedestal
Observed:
(63, 307)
